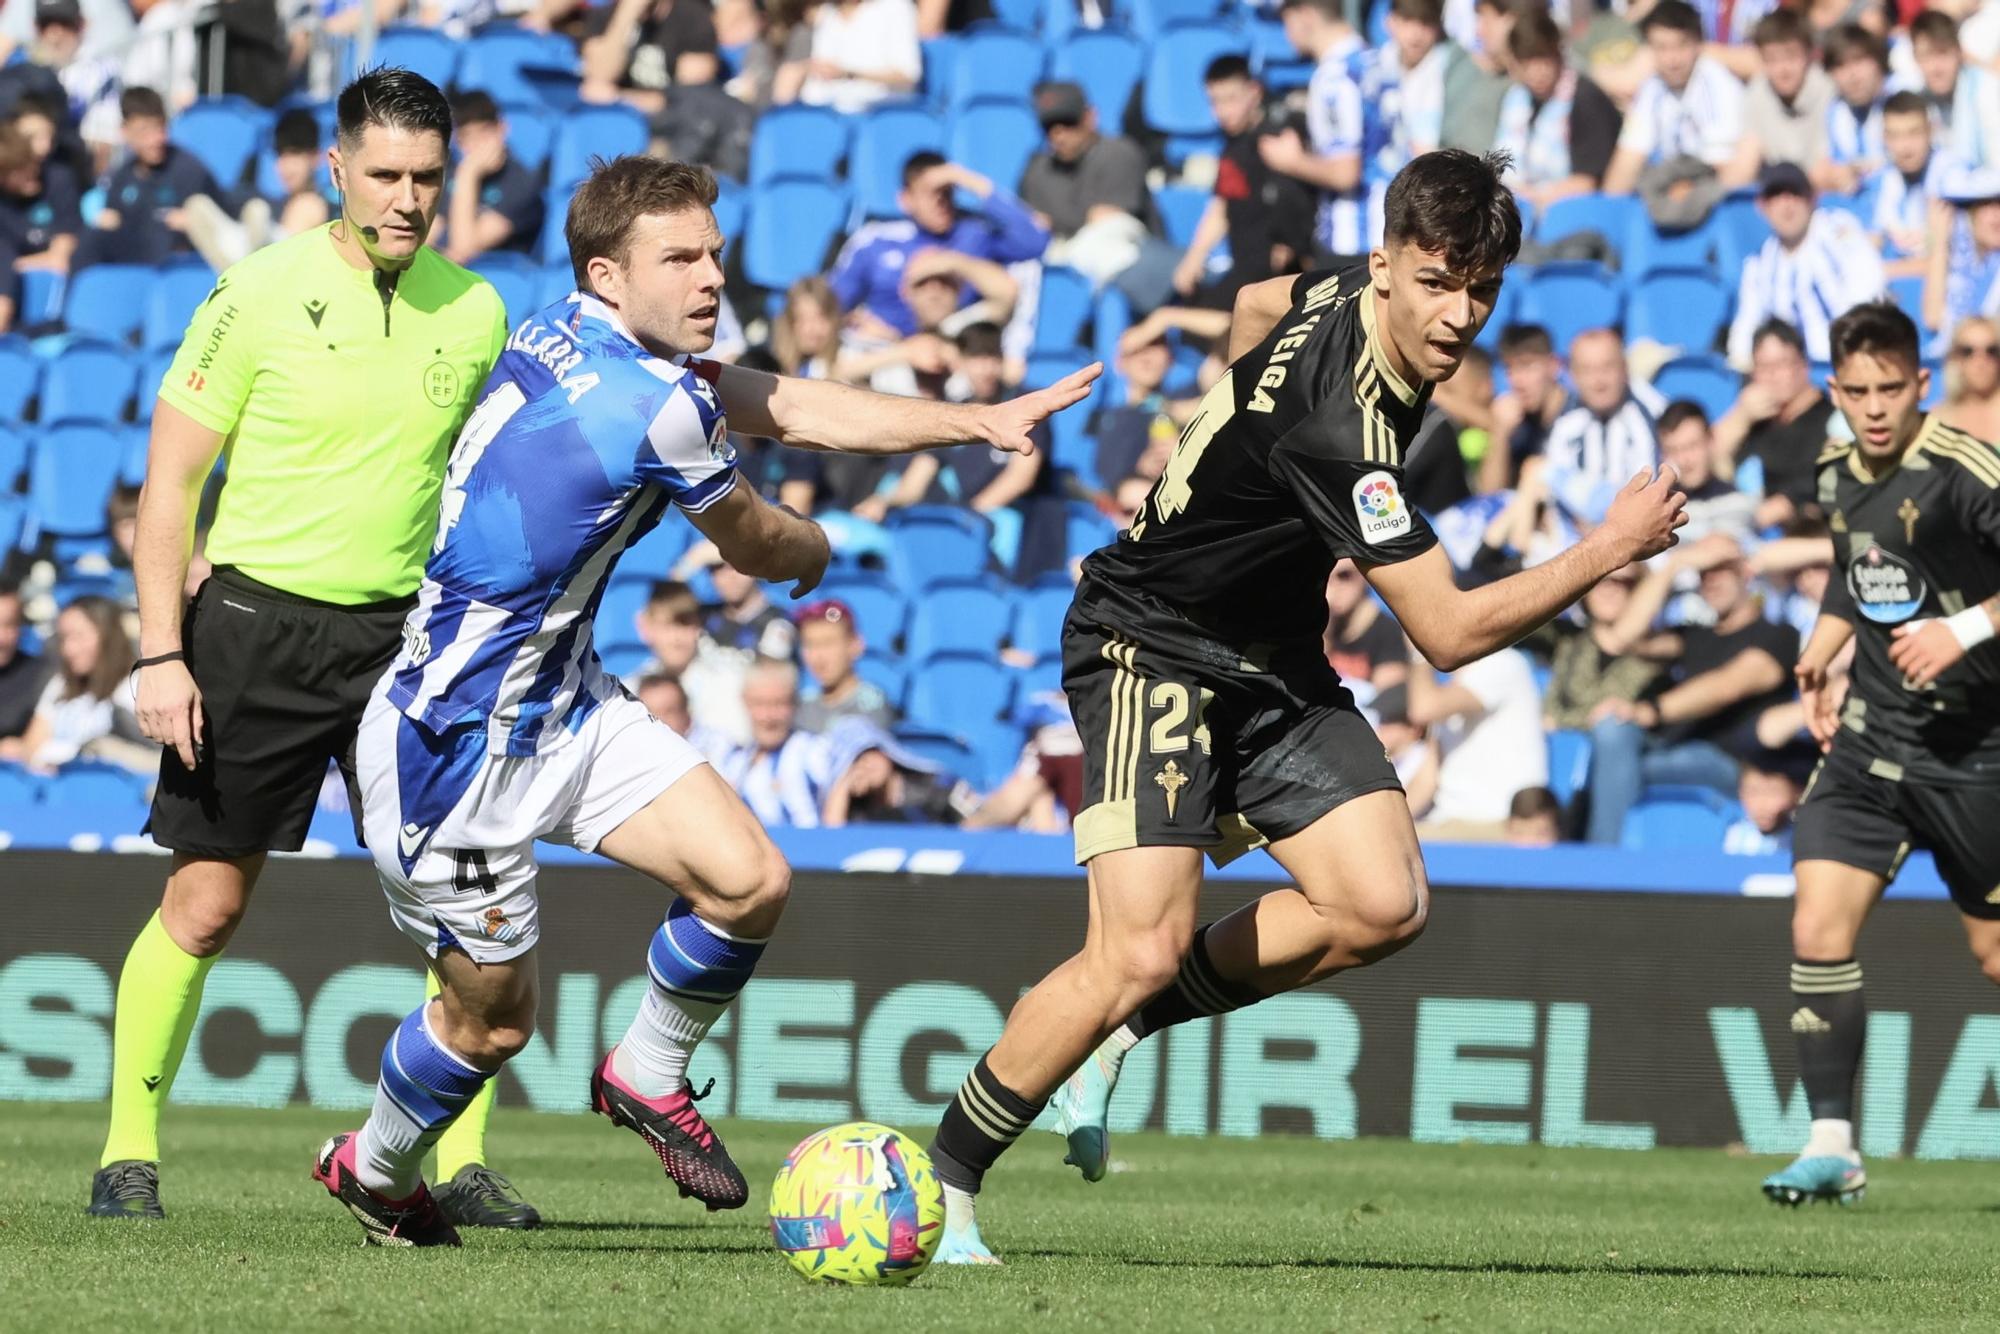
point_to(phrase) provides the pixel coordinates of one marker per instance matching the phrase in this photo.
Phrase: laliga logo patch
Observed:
(1379, 507)
(1885, 587)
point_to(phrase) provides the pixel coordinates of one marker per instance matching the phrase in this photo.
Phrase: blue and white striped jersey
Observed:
(581, 441)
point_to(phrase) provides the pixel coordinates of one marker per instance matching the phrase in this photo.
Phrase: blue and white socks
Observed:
(423, 1088)
(696, 970)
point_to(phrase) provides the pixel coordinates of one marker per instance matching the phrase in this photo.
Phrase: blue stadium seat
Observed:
(937, 62)
(1181, 207)
(1569, 297)
(177, 292)
(797, 140)
(515, 278)
(1088, 530)
(1684, 308)
(960, 616)
(594, 131)
(886, 672)
(334, 828)
(619, 607)
(1063, 311)
(1740, 231)
(554, 246)
(224, 133)
(108, 301)
(879, 607)
(732, 206)
(996, 750)
(1038, 619)
(1107, 64)
(153, 368)
(935, 542)
(995, 139)
(19, 789)
(883, 141)
(1908, 293)
(1280, 67)
(531, 134)
(1174, 100)
(1674, 818)
(1569, 763)
(71, 476)
(506, 61)
(556, 282)
(20, 374)
(654, 554)
(89, 381)
(1648, 249)
(1608, 215)
(135, 440)
(1151, 18)
(957, 692)
(993, 62)
(1707, 380)
(13, 520)
(1506, 311)
(622, 657)
(1021, 15)
(425, 51)
(41, 298)
(16, 446)
(791, 228)
(947, 751)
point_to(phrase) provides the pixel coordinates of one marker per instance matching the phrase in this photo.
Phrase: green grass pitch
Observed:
(1193, 1234)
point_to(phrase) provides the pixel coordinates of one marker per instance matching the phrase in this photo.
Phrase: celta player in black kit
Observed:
(1913, 755)
(1210, 718)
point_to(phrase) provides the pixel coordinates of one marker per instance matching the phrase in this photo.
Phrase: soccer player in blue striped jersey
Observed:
(497, 725)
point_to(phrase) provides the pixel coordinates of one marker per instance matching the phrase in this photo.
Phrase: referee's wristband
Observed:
(1971, 627)
(158, 658)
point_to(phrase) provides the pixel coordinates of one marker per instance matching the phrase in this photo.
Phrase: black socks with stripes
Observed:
(1197, 992)
(980, 1123)
(1829, 1023)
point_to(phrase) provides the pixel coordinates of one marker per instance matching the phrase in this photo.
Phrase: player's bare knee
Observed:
(1989, 960)
(752, 895)
(1391, 914)
(202, 923)
(1141, 964)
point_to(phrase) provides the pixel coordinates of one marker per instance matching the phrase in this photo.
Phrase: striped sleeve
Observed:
(687, 447)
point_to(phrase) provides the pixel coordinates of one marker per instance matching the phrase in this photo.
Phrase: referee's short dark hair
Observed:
(1673, 16)
(394, 98)
(1879, 329)
(620, 192)
(1453, 202)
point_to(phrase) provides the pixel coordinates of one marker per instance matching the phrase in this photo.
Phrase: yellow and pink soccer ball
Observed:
(859, 1204)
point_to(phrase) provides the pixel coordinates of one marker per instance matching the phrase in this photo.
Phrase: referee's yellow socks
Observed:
(464, 1140)
(159, 996)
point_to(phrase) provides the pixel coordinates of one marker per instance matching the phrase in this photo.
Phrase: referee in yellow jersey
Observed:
(333, 371)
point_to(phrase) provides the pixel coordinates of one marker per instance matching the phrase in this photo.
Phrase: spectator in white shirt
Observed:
(86, 710)
(1557, 125)
(1692, 106)
(1413, 63)
(1785, 105)
(1818, 264)
(1336, 121)
(1896, 201)
(862, 52)
(1963, 99)
(1487, 726)
(1594, 448)
(1858, 60)
(670, 625)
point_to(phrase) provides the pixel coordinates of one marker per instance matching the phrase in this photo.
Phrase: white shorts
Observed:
(452, 828)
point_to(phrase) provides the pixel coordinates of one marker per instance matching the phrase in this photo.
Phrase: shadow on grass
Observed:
(1447, 1267)
(650, 1225)
(584, 1248)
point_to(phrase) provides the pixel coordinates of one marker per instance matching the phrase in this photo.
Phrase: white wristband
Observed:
(1971, 627)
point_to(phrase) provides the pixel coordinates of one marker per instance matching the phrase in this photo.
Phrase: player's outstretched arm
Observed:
(178, 461)
(1452, 627)
(765, 541)
(819, 414)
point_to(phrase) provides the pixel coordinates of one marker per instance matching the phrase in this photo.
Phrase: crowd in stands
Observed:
(956, 198)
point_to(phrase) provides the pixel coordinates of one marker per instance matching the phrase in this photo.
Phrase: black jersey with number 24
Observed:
(1292, 460)
(1920, 541)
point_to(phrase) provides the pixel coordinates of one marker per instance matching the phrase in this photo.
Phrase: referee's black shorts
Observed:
(284, 680)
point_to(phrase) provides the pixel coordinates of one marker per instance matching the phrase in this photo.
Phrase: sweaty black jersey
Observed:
(1293, 460)
(1921, 541)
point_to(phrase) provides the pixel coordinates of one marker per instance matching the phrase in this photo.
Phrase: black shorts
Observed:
(1188, 743)
(1854, 815)
(283, 681)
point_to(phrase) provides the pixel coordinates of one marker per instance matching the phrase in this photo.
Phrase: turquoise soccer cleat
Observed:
(1083, 1107)
(964, 1246)
(1836, 1177)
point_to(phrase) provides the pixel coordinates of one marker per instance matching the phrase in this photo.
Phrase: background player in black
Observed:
(1192, 660)
(1913, 758)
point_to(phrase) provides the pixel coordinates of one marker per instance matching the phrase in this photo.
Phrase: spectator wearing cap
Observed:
(1784, 108)
(1596, 446)
(1963, 98)
(143, 220)
(1089, 191)
(1769, 442)
(884, 782)
(831, 646)
(1330, 157)
(1691, 106)
(1555, 122)
(871, 274)
(1964, 276)
(1817, 265)
(494, 202)
(1896, 200)
(40, 207)
(1858, 60)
